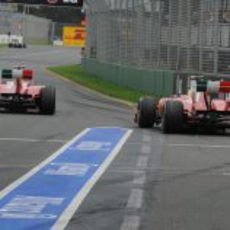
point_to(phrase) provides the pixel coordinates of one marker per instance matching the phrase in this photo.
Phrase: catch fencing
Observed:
(185, 36)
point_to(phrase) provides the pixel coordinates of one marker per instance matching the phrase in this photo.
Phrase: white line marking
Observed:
(139, 178)
(147, 138)
(200, 146)
(135, 199)
(146, 149)
(19, 139)
(55, 141)
(31, 140)
(72, 208)
(226, 174)
(16, 166)
(131, 223)
(34, 54)
(142, 162)
(21, 180)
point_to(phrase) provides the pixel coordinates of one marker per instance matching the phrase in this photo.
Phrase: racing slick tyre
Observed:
(172, 120)
(48, 101)
(146, 112)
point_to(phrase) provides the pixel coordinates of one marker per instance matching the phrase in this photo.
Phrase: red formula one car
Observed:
(18, 92)
(207, 105)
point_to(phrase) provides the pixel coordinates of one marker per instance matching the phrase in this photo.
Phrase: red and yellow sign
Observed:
(74, 36)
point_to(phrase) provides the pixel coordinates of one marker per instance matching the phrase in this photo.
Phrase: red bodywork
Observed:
(200, 108)
(20, 92)
(23, 88)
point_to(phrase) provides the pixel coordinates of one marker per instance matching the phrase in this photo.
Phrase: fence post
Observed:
(216, 40)
(201, 41)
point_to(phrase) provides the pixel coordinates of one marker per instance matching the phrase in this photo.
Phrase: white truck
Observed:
(16, 42)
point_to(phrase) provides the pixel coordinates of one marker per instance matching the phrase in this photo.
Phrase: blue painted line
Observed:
(40, 200)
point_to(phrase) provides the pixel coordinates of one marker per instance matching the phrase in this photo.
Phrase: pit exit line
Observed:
(200, 146)
(51, 193)
(31, 140)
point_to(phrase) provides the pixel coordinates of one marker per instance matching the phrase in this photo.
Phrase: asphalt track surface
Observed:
(157, 182)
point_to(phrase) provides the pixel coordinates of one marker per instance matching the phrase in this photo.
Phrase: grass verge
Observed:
(77, 74)
(34, 41)
(3, 45)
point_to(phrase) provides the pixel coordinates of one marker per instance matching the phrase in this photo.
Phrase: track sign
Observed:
(74, 36)
(78, 3)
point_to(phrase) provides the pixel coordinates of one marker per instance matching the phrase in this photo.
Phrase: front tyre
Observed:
(48, 100)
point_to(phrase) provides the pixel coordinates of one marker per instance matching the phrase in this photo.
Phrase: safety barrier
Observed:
(156, 82)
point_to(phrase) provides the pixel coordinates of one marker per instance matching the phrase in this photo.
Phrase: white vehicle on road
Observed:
(16, 42)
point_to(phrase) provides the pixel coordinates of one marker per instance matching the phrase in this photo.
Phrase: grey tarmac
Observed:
(185, 181)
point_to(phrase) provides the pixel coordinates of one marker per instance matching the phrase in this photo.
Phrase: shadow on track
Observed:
(191, 132)
(22, 112)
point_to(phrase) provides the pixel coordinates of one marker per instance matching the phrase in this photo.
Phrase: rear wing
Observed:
(10, 74)
(210, 86)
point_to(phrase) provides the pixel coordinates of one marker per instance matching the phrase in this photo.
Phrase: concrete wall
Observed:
(33, 29)
(156, 82)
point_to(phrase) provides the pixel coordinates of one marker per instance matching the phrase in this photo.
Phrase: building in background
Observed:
(39, 24)
(34, 30)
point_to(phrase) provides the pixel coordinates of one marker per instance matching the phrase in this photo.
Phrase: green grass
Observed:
(77, 74)
(3, 45)
(34, 41)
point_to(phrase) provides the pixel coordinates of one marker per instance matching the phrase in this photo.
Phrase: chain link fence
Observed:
(187, 36)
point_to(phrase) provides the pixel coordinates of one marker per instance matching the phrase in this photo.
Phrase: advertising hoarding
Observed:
(74, 36)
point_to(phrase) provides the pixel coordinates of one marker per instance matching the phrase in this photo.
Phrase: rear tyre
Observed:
(172, 120)
(146, 112)
(48, 101)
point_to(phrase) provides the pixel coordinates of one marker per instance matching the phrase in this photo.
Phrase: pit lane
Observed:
(157, 182)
